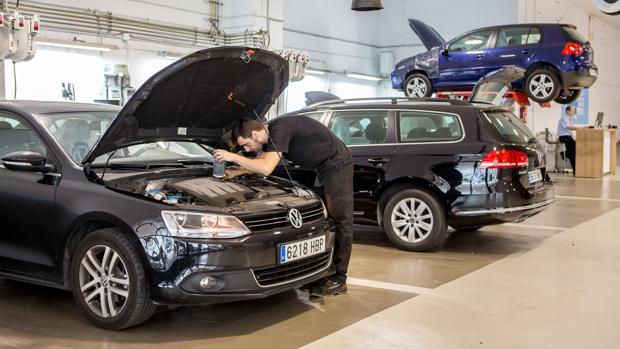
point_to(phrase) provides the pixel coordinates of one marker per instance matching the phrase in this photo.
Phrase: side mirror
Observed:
(444, 51)
(26, 161)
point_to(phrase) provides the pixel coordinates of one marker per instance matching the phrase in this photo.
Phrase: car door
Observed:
(27, 203)
(432, 141)
(463, 61)
(369, 134)
(514, 45)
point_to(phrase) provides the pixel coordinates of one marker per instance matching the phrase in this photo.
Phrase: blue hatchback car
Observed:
(557, 58)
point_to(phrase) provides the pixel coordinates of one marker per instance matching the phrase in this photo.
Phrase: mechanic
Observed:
(311, 145)
(565, 133)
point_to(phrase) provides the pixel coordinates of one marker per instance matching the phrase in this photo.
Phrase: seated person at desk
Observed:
(565, 134)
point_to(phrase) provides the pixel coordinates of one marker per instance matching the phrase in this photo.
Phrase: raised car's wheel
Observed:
(108, 281)
(414, 220)
(567, 96)
(418, 86)
(542, 85)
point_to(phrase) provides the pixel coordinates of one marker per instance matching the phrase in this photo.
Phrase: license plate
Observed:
(301, 249)
(535, 176)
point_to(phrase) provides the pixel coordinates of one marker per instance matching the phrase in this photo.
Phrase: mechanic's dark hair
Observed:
(244, 128)
(569, 107)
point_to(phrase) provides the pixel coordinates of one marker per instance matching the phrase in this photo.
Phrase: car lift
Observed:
(510, 97)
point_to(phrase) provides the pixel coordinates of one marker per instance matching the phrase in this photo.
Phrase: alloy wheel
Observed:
(541, 86)
(416, 88)
(412, 220)
(104, 281)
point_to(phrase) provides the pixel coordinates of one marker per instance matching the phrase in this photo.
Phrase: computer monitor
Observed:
(599, 120)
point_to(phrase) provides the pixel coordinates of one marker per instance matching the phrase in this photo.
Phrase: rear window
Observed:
(419, 126)
(573, 35)
(504, 126)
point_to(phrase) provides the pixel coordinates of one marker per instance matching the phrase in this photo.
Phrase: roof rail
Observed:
(390, 100)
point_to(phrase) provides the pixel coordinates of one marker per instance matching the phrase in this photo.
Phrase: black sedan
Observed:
(422, 165)
(122, 208)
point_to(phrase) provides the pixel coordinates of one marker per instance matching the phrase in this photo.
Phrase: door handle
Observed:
(480, 56)
(378, 161)
(525, 52)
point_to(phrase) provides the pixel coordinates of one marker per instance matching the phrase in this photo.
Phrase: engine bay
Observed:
(200, 189)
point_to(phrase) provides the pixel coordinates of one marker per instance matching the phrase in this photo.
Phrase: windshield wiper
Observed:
(138, 166)
(194, 162)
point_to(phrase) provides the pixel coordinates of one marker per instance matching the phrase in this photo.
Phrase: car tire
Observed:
(109, 282)
(542, 85)
(569, 97)
(423, 230)
(417, 86)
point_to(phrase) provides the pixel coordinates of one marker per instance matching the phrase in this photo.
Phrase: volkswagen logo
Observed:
(294, 216)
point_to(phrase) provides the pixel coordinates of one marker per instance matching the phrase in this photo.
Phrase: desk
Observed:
(596, 152)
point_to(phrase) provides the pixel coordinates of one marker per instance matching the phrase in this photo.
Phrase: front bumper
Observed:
(579, 79)
(237, 265)
(397, 80)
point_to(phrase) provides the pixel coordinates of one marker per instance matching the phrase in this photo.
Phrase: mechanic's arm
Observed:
(263, 164)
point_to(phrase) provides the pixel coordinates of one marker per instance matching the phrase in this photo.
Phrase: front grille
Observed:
(288, 272)
(280, 220)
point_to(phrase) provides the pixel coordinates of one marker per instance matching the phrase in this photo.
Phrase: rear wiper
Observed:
(531, 140)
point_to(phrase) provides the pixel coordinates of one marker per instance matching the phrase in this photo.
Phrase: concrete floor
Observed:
(549, 282)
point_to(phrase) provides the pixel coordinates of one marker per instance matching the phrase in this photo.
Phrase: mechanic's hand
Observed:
(232, 173)
(222, 155)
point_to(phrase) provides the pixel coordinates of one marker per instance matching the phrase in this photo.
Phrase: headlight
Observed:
(203, 225)
(325, 213)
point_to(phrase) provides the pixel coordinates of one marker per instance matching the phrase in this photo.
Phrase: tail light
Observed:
(504, 158)
(572, 48)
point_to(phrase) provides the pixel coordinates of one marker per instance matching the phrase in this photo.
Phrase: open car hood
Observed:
(427, 34)
(198, 98)
(492, 87)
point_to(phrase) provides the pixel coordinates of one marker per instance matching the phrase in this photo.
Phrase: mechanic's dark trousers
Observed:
(337, 183)
(570, 145)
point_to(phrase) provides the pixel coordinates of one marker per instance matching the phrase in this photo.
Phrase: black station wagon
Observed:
(122, 207)
(422, 165)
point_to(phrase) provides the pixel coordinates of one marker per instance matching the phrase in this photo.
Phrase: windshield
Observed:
(78, 132)
(157, 152)
(504, 126)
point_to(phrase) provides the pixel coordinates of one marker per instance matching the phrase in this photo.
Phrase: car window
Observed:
(534, 36)
(360, 127)
(314, 115)
(419, 126)
(573, 34)
(517, 36)
(77, 132)
(471, 42)
(17, 135)
(506, 127)
(156, 152)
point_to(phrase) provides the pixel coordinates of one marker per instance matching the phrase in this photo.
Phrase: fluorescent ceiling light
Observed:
(315, 71)
(76, 45)
(363, 76)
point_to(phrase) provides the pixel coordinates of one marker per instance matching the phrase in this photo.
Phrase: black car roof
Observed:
(47, 107)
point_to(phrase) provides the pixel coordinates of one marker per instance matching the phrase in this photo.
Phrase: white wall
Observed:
(41, 77)
(604, 38)
(339, 39)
